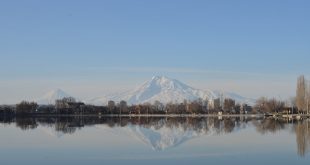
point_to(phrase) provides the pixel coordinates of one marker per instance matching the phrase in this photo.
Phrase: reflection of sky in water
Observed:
(100, 144)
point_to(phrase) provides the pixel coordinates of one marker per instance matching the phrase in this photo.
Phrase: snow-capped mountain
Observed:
(51, 96)
(165, 90)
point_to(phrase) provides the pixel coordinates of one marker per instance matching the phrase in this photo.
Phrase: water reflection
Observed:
(167, 132)
(302, 130)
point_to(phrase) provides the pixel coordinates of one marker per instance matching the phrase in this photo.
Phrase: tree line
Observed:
(70, 106)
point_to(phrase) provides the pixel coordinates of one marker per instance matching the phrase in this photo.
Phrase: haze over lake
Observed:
(154, 140)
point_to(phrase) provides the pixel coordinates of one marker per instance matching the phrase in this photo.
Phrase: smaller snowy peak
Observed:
(51, 96)
(56, 93)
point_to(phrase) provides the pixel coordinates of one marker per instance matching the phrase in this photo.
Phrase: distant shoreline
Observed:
(169, 115)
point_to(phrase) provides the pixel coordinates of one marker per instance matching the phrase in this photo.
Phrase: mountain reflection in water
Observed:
(166, 132)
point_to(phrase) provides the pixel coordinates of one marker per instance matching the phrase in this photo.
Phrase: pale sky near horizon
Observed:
(89, 48)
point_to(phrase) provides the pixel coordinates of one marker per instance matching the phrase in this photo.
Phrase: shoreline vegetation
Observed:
(297, 107)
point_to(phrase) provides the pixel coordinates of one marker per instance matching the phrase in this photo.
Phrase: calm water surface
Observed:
(153, 140)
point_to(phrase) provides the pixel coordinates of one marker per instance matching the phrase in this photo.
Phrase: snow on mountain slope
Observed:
(51, 96)
(165, 90)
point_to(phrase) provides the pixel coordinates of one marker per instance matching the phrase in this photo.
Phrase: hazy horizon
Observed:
(92, 48)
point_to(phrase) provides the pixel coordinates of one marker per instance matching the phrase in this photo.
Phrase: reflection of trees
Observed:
(204, 125)
(6, 119)
(229, 125)
(70, 124)
(198, 124)
(269, 125)
(26, 123)
(64, 127)
(302, 130)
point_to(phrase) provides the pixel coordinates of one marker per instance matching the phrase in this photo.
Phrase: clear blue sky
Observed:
(88, 47)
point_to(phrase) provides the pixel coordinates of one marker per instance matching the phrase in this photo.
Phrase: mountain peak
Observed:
(53, 95)
(56, 91)
(161, 79)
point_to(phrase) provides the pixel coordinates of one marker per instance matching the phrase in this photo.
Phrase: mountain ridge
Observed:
(165, 90)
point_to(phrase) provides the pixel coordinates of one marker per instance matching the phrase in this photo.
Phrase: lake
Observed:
(154, 140)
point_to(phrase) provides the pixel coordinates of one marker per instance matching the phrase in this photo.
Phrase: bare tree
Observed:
(26, 107)
(303, 94)
(64, 102)
(300, 93)
(159, 106)
(123, 107)
(260, 104)
(307, 97)
(217, 104)
(269, 105)
(111, 106)
(229, 104)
